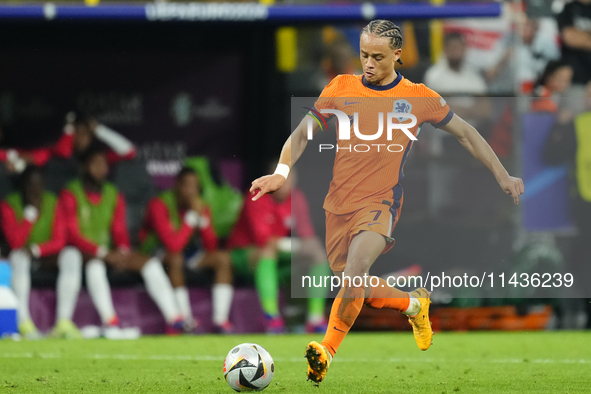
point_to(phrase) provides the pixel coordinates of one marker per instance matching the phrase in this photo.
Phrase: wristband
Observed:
(282, 169)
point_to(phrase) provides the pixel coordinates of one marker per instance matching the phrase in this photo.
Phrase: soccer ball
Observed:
(249, 367)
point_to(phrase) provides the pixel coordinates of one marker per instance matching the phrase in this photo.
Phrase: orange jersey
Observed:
(367, 169)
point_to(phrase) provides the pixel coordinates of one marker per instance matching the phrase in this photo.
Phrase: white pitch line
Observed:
(167, 357)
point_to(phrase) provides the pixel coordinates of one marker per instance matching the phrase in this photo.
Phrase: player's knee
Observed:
(175, 261)
(94, 268)
(352, 292)
(223, 261)
(358, 267)
(70, 260)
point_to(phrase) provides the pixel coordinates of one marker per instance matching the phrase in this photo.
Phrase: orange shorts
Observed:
(340, 230)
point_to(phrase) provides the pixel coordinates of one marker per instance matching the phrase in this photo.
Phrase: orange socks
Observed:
(348, 304)
(384, 296)
(344, 311)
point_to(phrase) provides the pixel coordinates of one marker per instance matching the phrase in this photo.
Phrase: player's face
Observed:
(378, 59)
(560, 80)
(455, 51)
(187, 189)
(98, 167)
(528, 30)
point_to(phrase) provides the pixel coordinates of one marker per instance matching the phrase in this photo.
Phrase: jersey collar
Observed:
(382, 87)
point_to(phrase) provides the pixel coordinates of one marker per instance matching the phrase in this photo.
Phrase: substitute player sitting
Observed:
(178, 220)
(365, 196)
(256, 244)
(97, 226)
(35, 230)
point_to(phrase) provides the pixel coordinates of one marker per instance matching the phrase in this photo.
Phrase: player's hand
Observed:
(512, 186)
(266, 184)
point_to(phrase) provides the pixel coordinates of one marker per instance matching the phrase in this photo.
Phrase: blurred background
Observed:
(213, 82)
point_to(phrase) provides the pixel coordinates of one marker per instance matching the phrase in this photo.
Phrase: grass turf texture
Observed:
(537, 362)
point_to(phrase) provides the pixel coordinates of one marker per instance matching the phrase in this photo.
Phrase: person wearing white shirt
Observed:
(451, 75)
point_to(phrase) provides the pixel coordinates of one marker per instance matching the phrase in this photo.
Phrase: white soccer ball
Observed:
(249, 367)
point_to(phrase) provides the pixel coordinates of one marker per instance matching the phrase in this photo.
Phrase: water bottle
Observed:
(8, 322)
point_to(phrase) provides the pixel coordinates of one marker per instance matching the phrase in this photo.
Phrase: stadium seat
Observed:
(58, 172)
(135, 308)
(133, 180)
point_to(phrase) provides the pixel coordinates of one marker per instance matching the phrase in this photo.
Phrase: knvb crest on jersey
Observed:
(402, 106)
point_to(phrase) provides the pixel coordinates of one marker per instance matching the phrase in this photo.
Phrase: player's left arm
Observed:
(479, 148)
(295, 144)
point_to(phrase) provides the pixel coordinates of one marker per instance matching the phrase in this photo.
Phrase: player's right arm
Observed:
(296, 143)
(290, 153)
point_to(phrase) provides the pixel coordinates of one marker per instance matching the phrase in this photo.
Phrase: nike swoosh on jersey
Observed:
(371, 224)
(351, 102)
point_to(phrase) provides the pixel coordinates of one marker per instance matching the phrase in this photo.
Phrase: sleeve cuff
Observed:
(31, 213)
(35, 250)
(203, 222)
(445, 120)
(69, 129)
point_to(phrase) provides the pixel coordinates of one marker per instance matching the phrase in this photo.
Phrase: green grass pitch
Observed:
(485, 362)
